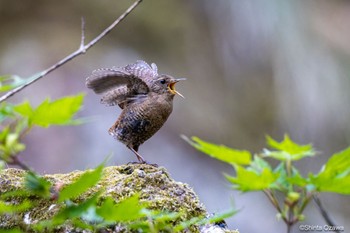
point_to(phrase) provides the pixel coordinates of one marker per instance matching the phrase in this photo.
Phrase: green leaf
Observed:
(24, 109)
(286, 179)
(143, 225)
(186, 224)
(85, 181)
(74, 211)
(6, 208)
(84, 224)
(71, 213)
(259, 164)
(335, 175)
(58, 112)
(221, 216)
(287, 149)
(220, 152)
(9, 142)
(14, 230)
(127, 210)
(159, 216)
(107, 209)
(2, 164)
(248, 180)
(331, 184)
(6, 111)
(297, 179)
(90, 215)
(3, 134)
(37, 184)
(154, 221)
(19, 193)
(338, 164)
(203, 220)
(9, 82)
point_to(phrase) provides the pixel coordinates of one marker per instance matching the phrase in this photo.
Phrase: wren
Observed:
(145, 97)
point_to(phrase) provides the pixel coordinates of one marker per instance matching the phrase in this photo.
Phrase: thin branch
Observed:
(82, 49)
(273, 200)
(324, 213)
(305, 202)
(15, 161)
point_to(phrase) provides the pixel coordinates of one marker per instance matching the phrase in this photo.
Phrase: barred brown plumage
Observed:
(145, 97)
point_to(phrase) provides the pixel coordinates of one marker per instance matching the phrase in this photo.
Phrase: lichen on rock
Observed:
(153, 184)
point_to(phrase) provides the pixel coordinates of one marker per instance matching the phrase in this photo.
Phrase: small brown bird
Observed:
(145, 96)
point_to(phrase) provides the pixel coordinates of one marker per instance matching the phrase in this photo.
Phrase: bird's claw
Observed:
(144, 162)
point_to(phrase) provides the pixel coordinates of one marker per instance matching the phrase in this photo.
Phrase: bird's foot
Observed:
(144, 162)
(140, 158)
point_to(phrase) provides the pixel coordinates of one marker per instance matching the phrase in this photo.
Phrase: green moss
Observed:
(154, 185)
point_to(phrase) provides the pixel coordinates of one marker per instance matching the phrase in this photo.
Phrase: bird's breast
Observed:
(154, 109)
(140, 120)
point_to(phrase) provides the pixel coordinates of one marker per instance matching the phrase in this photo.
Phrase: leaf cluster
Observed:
(254, 172)
(17, 120)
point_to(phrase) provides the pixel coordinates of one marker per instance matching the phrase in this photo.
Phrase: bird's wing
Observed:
(103, 80)
(121, 96)
(117, 85)
(115, 96)
(142, 70)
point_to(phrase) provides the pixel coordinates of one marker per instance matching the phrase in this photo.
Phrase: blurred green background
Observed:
(252, 67)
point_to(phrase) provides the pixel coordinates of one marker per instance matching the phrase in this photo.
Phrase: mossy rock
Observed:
(153, 184)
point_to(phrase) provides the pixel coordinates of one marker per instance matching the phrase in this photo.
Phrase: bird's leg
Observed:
(139, 157)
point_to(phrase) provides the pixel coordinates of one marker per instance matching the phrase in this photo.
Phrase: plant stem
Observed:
(19, 163)
(273, 200)
(275, 203)
(82, 49)
(290, 221)
(25, 132)
(288, 164)
(305, 202)
(323, 211)
(289, 167)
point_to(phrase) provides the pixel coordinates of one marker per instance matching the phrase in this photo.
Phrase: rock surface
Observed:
(153, 184)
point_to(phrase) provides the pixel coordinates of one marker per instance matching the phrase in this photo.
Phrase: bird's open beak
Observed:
(172, 87)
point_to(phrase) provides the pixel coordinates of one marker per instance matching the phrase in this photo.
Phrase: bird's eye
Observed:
(162, 81)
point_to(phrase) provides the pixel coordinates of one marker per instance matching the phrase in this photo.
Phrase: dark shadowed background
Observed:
(252, 67)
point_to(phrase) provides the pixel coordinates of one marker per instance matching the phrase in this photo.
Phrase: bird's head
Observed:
(166, 84)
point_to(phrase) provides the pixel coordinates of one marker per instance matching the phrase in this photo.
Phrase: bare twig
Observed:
(82, 49)
(273, 200)
(324, 213)
(305, 202)
(14, 160)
